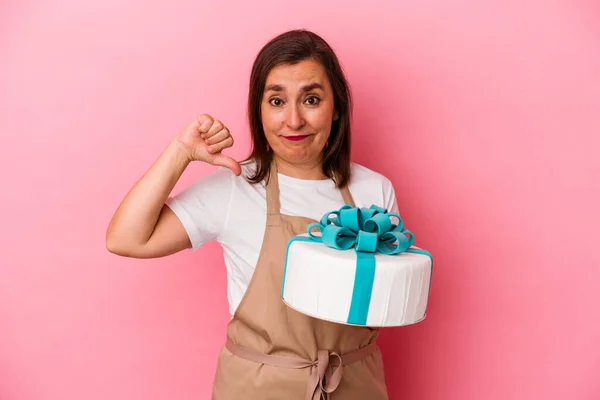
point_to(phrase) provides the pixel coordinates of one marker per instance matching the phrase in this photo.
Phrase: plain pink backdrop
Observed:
(485, 116)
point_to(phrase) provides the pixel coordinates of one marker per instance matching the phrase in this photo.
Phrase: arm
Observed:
(143, 226)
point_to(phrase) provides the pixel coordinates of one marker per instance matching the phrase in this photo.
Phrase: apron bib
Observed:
(275, 352)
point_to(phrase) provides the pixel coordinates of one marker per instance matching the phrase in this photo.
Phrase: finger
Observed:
(205, 121)
(217, 126)
(217, 137)
(218, 147)
(194, 125)
(228, 162)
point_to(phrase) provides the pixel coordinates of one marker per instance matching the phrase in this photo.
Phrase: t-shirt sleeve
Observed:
(203, 207)
(389, 197)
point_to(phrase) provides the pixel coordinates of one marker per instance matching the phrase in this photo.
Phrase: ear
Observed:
(336, 116)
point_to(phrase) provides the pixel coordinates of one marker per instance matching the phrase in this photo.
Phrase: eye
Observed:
(276, 102)
(313, 100)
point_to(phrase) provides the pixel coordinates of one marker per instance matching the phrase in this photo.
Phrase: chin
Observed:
(301, 156)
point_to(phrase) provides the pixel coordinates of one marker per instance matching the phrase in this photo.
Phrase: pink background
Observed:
(486, 118)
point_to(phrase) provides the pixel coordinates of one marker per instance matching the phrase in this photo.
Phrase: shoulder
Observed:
(361, 175)
(371, 187)
(219, 179)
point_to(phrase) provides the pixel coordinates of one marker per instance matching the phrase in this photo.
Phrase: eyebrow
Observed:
(305, 88)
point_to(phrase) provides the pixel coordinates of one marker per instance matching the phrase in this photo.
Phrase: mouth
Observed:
(296, 138)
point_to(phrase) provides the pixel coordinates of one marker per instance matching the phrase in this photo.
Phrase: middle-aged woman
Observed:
(299, 169)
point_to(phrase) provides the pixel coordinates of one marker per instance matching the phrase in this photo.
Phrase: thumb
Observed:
(228, 162)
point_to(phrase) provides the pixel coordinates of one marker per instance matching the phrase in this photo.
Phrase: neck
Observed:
(312, 170)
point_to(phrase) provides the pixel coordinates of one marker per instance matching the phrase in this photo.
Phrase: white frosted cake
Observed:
(355, 287)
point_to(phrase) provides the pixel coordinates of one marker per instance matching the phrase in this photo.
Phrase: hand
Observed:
(205, 139)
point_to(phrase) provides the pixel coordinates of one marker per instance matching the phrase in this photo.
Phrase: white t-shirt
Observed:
(227, 208)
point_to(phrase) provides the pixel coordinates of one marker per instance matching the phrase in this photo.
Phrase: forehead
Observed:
(291, 76)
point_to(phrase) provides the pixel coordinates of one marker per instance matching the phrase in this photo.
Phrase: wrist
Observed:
(180, 154)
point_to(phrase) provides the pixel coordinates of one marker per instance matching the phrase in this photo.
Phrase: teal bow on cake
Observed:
(367, 230)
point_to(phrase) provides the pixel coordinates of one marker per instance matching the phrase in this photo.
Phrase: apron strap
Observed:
(273, 205)
(347, 196)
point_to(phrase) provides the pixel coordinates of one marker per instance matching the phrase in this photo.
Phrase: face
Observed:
(297, 110)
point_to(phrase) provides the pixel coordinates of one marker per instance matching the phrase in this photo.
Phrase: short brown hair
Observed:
(290, 48)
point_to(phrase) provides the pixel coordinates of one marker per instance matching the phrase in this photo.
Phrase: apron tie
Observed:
(325, 375)
(323, 381)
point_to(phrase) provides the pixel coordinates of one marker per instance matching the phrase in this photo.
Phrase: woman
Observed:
(299, 110)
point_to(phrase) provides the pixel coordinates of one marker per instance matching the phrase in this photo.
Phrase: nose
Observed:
(294, 119)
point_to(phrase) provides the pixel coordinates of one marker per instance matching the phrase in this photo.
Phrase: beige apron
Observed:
(275, 352)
